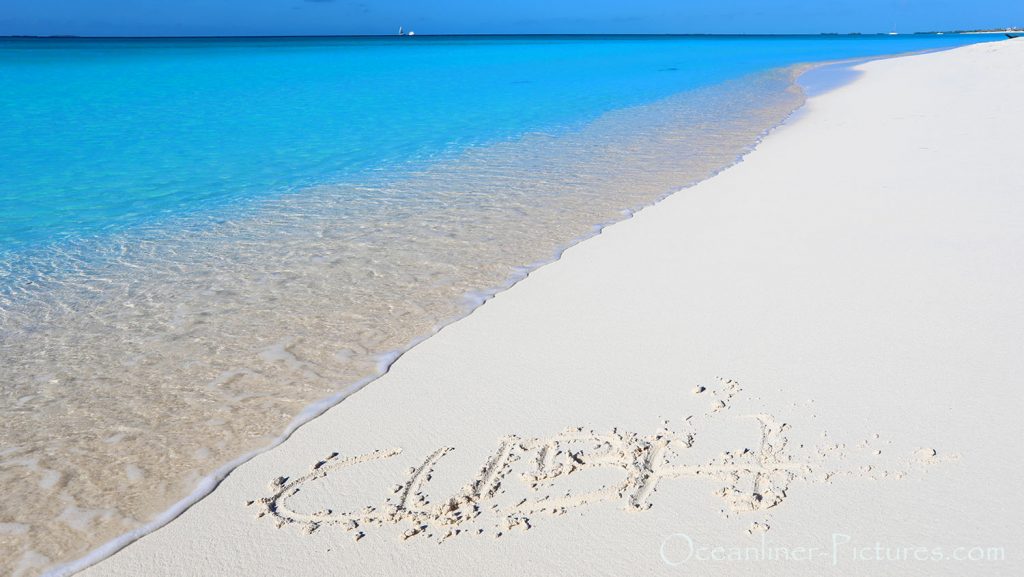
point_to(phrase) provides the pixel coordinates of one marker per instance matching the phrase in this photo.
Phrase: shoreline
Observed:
(258, 390)
(472, 301)
(316, 412)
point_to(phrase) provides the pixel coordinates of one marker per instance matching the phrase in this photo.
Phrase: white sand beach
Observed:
(809, 364)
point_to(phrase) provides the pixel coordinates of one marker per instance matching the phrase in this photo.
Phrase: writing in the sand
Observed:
(547, 481)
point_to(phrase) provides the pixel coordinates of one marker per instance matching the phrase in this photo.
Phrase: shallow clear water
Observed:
(199, 238)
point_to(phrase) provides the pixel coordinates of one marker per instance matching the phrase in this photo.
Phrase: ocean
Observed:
(204, 242)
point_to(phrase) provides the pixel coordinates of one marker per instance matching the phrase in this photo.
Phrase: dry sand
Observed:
(821, 347)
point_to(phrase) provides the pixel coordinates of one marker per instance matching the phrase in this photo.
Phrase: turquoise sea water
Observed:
(102, 135)
(200, 238)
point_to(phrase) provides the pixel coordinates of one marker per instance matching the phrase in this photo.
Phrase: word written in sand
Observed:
(551, 472)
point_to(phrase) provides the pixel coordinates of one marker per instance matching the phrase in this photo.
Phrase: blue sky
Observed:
(256, 17)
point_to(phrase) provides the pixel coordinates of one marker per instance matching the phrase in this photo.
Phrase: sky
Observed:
(300, 17)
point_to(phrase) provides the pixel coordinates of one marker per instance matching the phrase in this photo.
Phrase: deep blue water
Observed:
(100, 135)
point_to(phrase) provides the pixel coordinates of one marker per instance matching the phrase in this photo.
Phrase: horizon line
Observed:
(476, 34)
